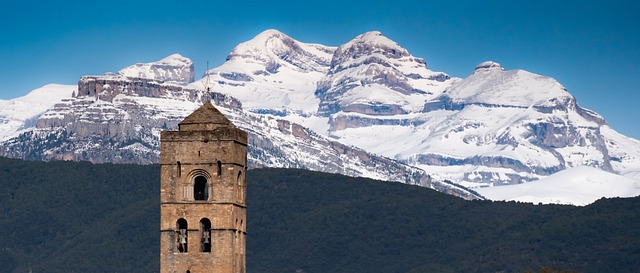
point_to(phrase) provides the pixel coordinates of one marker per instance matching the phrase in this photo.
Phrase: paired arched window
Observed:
(205, 233)
(182, 232)
(183, 235)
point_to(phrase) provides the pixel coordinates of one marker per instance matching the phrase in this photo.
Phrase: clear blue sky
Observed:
(591, 47)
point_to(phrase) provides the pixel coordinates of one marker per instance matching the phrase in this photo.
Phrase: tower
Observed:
(202, 195)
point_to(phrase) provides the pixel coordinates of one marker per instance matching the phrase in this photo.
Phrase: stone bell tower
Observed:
(202, 195)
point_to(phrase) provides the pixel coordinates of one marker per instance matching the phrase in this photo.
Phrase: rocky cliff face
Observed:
(118, 119)
(110, 119)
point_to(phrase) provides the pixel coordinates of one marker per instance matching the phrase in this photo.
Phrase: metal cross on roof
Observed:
(207, 83)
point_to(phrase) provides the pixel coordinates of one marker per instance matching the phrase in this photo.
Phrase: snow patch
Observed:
(579, 186)
(17, 114)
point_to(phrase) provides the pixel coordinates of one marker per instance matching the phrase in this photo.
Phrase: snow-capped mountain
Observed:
(19, 114)
(114, 118)
(496, 126)
(272, 72)
(367, 107)
(373, 75)
(174, 69)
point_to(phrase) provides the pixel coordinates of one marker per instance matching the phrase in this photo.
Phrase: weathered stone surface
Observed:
(214, 154)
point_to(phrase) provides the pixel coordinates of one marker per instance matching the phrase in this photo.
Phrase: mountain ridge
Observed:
(117, 119)
(495, 126)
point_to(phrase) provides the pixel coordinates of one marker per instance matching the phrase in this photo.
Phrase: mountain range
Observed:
(365, 108)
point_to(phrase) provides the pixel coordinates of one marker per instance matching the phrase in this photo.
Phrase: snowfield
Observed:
(580, 186)
(18, 114)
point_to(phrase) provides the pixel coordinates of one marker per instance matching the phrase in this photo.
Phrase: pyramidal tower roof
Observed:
(207, 117)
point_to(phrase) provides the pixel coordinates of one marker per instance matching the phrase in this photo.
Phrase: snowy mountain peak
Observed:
(272, 70)
(176, 59)
(375, 37)
(267, 40)
(374, 75)
(372, 46)
(19, 114)
(271, 33)
(488, 65)
(491, 85)
(175, 69)
(272, 49)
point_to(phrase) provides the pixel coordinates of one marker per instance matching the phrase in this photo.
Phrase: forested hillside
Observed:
(81, 217)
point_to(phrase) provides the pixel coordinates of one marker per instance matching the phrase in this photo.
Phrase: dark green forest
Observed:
(83, 217)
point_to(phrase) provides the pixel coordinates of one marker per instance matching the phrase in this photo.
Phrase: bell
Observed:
(206, 236)
(183, 236)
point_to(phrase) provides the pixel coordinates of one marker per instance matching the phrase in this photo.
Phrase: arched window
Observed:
(179, 169)
(183, 236)
(205, 232)
(197, 186)
(236, 231)
(200, 188)
(240, 188)
(219, 168)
